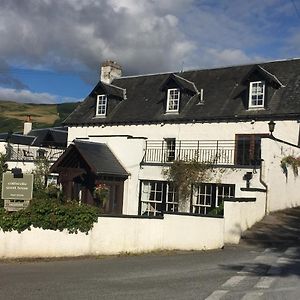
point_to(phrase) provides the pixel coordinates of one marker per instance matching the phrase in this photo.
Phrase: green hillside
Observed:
(13, 115)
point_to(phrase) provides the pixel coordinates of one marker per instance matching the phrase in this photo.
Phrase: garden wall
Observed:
(114, 235)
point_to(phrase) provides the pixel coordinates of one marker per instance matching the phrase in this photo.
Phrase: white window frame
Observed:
(157, 197)
(101, 107)
(208, 195)
(173, 101)
(254, 94)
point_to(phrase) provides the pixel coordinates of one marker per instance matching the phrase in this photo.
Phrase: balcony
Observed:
(216, 152)
(27, 153)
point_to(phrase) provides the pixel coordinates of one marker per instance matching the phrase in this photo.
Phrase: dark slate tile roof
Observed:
(100, 158)
(56, 136)
(17, 138)
(223, 91)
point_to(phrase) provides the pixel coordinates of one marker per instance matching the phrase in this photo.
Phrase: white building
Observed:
(129, 129)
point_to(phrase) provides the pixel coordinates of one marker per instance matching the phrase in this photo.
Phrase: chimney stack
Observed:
(109, 71)
(27, 125)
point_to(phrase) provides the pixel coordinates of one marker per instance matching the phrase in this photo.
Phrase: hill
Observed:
(12, 114)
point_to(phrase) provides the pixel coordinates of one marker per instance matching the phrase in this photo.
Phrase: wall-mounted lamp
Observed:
(271, 127)
(247, 177)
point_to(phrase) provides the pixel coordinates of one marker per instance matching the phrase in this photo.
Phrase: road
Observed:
(266, 265)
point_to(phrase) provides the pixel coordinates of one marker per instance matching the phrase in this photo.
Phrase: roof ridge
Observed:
(206, 69)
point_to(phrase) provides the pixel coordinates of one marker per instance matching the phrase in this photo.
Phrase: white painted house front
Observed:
(219, 116)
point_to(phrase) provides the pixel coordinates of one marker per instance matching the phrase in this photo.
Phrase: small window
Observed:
(173, 100)
(171, 148)
(101, 105)
(257, 94)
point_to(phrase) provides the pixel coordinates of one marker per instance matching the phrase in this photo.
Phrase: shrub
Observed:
(50, 214)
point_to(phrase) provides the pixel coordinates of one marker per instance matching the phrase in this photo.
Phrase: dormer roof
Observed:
(182, 83)
(111, 90)
(266, 75)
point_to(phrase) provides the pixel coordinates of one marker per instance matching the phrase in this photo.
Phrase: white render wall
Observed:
(287, 130)
(118, 235)
(283, 192)
(241, 215)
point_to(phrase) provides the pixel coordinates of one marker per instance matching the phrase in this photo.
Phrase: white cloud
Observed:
(143, 36)
(26, 96)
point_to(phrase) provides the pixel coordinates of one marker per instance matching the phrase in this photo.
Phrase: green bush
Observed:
(50, 214)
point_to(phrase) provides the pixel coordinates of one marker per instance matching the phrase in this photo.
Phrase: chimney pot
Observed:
(27, 125)
(109, 71)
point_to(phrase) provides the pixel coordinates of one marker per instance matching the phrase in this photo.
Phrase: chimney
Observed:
(109, 71)
(27, 125)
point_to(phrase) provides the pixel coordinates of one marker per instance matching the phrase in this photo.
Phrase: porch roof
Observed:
(97, 156)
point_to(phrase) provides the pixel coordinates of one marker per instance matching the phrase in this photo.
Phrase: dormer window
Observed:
(257, 94)
(101, 105)
(173, 100)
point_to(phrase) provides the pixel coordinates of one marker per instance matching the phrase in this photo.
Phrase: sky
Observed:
(51, 50)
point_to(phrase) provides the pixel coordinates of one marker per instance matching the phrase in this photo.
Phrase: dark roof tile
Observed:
(223, 89)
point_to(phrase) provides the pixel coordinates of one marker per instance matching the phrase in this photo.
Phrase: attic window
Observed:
(257, 94)
(173, 100)
(101, 105)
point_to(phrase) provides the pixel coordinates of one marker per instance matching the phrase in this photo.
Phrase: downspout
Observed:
(265, 185)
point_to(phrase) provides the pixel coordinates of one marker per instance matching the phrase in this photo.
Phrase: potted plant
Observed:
(101, 194)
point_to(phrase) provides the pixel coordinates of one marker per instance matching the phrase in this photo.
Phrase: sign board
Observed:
(17, 188)
(15, 205)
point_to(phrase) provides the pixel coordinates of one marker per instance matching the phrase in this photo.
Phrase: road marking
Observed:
(247, 270)
(291, 251)
(283, 260)
(252, 296)
(233, 281)
(264, 282)
(216, 295)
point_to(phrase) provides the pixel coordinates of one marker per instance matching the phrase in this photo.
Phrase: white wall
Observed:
(283, 192)
(118, 235)
(287, 130)
(241, 215)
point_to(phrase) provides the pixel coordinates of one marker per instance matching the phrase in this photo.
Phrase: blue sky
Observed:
(53, 51)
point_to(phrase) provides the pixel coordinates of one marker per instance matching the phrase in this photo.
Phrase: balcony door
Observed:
(248, 149)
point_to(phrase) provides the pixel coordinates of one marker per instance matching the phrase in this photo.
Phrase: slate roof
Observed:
(98, 156)
(223, 92)
(17, 138)
(56, 136)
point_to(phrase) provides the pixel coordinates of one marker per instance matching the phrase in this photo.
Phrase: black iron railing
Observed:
(217, 152)
(30, 153)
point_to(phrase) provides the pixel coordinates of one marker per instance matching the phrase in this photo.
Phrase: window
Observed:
(101, 105)
(157, 197)
(207, 196)
(248, 149)
(256, 94)
(173, 100)
(170, 151)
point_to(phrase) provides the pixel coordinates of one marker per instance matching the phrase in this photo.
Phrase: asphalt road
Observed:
(264, 266)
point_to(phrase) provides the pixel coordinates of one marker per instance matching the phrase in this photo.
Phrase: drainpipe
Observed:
(265, 185)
